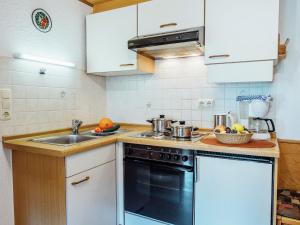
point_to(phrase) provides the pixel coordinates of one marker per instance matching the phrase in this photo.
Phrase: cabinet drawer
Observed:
(84, 161)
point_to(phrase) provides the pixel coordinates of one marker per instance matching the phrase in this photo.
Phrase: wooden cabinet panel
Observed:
(39, 189)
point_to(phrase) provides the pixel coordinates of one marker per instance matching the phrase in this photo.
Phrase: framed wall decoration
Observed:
(41, 20)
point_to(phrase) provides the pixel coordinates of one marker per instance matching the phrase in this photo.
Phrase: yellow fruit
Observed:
(238, 127)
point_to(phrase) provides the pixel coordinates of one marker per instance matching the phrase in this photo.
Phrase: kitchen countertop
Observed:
(24, 143)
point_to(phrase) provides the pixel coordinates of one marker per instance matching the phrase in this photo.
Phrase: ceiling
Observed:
(105, 5)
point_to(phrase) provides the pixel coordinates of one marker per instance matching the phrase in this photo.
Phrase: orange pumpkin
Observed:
(106, 124)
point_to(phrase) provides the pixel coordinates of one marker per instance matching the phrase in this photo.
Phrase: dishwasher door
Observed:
(233, 190)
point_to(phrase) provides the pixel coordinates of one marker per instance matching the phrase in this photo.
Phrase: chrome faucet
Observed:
(75, 126)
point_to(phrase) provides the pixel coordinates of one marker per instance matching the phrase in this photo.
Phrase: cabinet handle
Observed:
(129, 64)
(197, 172)
(219, 56)
(168, 25)
(81, 181)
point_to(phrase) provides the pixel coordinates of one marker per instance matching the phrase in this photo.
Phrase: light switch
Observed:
(6, 104)
(5, 114)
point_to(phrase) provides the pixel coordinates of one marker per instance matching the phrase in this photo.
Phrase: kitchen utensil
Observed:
(252, 106)
(103, 133)
(182, 130)
(223, 119)
(234, 138)
(259, 108)
(161, 124)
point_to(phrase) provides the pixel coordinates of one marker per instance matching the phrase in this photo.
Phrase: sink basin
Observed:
(65, 140)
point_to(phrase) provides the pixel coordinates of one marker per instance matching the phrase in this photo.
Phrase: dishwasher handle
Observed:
(197, 169)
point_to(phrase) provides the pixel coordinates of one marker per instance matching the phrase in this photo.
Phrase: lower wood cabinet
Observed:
(76, 190)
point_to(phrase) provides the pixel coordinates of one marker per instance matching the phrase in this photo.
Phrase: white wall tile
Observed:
(174, 90)
(38, 101)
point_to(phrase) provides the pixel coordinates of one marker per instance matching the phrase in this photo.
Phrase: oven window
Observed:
(158, 191)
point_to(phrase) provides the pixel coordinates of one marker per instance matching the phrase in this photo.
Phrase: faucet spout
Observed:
(75, 126)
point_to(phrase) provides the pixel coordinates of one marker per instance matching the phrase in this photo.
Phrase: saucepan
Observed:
(182, 130)
(161, 124)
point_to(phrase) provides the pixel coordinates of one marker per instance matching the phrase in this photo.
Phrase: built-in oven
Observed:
(158, 184)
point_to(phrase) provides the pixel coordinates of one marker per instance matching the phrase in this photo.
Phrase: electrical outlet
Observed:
(206, 103)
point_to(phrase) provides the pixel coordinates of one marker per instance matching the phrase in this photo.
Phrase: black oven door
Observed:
(159, 191)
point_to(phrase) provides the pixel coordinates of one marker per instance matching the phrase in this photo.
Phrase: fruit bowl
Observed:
(233, 138)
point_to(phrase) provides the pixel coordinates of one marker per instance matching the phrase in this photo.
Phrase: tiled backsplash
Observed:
(51, 101)
(174, 90)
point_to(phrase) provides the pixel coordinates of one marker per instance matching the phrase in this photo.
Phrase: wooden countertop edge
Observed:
(199, 146)
(21, 143)
(83, 128)
(289, 141)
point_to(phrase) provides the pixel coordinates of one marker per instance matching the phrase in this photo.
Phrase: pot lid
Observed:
(182, 124)
(161, 117)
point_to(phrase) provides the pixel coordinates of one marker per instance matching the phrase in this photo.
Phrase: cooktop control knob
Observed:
(129, 151)
(185, 158)
(169, 156)
(176, 157)
(161, 155)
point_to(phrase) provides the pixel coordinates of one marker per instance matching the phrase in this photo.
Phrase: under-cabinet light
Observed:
(43, 60)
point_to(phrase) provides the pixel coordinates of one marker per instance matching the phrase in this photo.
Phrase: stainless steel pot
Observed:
(182, 130)
(161, 124)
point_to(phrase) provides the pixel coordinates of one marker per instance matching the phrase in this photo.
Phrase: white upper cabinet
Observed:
(107, 42)
(158, 16)
(241, 30)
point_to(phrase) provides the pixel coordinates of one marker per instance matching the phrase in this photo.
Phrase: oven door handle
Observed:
(159, 165)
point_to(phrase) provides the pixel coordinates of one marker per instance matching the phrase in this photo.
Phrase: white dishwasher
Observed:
(233, 189)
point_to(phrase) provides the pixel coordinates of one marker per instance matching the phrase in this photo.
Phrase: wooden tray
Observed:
(251, 144)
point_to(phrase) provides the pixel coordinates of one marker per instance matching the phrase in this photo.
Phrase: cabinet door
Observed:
(256, 71)
(241, 30)
(92, 198)
(107, 40)
(232, 192)
(159, 16)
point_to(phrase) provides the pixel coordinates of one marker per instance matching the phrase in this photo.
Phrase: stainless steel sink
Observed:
(65, 140)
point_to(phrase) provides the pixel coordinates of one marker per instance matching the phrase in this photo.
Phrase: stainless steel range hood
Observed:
(184, 43)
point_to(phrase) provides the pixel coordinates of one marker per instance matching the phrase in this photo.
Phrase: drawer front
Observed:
(258, 71)
(84, 161)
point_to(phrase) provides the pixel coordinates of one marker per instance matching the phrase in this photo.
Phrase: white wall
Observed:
(287, 84)
(37, 101)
